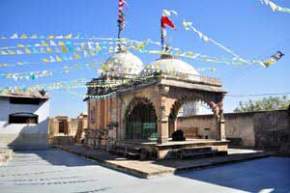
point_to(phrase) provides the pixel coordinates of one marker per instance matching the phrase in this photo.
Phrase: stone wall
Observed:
(198, 126)
(266, 129)
(74, 128)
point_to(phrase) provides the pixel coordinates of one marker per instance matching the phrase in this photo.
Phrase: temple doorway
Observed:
(141, 121)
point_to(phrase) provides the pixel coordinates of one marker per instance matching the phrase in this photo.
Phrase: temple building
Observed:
(24, 120)
(133, 109)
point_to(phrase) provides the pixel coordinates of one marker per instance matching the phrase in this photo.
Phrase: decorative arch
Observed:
(141, 119)
(183, 100)
(214, 102)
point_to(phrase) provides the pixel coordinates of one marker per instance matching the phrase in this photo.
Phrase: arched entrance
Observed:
(195, 107)
(141, 120)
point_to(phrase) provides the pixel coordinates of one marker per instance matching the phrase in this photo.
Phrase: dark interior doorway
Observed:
(141, 122)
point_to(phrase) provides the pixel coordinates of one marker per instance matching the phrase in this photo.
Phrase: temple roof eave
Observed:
(202, 84)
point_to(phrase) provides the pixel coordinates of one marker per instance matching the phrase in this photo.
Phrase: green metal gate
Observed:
(140, 130)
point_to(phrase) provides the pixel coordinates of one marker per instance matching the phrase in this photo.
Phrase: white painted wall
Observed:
(24, 136)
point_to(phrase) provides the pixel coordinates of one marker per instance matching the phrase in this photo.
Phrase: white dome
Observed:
(170, 66)
(122, 63)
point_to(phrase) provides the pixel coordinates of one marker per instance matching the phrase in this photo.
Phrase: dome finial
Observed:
(166, 53)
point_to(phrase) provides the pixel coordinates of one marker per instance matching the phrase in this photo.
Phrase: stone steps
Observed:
(126, 151)
(148, 169)
(192, 153)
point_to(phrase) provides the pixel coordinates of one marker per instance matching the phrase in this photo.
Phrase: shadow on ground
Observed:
(55, 157)
(263, 175)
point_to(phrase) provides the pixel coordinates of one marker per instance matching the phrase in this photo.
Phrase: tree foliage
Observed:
(265, 104)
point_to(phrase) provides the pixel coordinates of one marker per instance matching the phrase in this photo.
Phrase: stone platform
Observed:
(147, 169)
(171, 149)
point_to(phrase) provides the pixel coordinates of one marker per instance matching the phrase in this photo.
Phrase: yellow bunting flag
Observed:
(64, 49)
(273, 59)
(44, 44)
(20, 46)
(76, 56)
(68, 36)
(51, 37)
(48, 50)
(45, 60)
(23, 36)
(98, 47)
(58, 59)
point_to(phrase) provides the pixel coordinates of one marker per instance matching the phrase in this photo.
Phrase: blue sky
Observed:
(247, 27)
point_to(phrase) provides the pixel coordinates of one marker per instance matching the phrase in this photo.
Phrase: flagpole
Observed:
(119, 37)
(163, 38)
(121, 22)
(165, 21)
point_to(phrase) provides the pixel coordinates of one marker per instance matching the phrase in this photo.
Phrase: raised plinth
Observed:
(172, 149)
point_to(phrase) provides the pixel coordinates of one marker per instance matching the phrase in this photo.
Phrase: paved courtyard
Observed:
(55, 171)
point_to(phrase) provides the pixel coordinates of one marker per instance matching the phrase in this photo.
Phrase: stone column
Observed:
(97, 121)
(89, 113)
(221, 122)
(163, 127)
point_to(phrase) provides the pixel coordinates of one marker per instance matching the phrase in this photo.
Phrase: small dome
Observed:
(170, 66)
(122, 64)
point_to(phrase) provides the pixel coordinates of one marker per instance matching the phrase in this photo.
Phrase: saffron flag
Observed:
(165, 21)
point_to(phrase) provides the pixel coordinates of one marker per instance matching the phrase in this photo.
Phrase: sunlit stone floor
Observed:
(55, 171)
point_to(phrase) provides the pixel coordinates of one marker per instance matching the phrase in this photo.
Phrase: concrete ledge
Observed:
(148, 169)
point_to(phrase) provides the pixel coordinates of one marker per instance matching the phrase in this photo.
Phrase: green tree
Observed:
(265, 104)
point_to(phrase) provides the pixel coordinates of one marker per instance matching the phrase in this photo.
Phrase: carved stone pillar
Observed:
(163, 126)
(221, 120)
(222, 129)
(163, 131)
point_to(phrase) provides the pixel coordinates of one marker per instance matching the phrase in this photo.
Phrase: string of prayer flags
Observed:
(188, 26)
(210, 69)
(275, 7)
(65, 49)
(49, 47)
(18, 76)
(35, 36)
(51, 86)
(27, 75)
